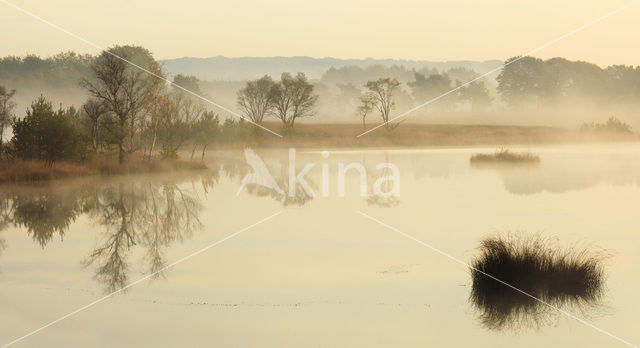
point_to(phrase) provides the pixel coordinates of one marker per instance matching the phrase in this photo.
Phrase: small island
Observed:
(505, 156)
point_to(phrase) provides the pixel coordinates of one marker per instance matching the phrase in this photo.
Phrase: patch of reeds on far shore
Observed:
(505, 156)
(557, 277)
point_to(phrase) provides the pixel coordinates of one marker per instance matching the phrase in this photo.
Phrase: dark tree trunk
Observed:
(204, 147)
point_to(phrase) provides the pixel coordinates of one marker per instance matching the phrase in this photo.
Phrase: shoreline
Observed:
(311, 137)
(34, 172)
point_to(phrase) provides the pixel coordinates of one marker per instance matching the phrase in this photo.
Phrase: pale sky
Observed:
(421, 30)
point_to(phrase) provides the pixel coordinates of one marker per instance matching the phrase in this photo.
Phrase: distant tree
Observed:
(292, 98)
(360, 75)
(188, 82)
(520, 81)
(461, 74)
(426, 88)
(554, 80)
(380, 92)
(349, 94)
(125, 90)
(45, 134)
(94, 110)
(51, 75)
(6, 110)
(253, 99)
(531, 82)
(477, 94)
(367, 104)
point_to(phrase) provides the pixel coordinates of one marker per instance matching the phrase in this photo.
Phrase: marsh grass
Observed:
(30, 171)
(505, 156)
(340, 135)
(558, 277)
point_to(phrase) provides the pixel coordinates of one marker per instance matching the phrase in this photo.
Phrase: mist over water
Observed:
(246, 175)
(317, 268)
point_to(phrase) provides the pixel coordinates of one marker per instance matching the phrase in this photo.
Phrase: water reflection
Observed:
(42, 214)
(151, 215)
(381, 187)
(571, 279)
(558, 174)
(148, 214)
(299, 198)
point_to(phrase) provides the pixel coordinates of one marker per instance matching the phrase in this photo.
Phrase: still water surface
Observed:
(319, 274)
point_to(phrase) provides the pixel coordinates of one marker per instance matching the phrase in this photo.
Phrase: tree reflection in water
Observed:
(46, 214)
(280, 174)
(152, 216)
(6, 212)
(148, 214)
(299, 198)
(383, 197)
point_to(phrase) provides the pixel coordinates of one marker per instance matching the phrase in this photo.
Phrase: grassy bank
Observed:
(26, 171)
(411, 135)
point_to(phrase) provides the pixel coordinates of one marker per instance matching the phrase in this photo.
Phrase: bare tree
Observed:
(6, 109)
(177, 113)
(292, 98)
(253, 98)
(156, 108)
(381, 91)
(124, 90)
(366, 105)
(94, 109)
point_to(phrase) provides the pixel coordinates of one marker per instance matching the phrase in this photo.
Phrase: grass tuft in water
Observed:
(557, 277)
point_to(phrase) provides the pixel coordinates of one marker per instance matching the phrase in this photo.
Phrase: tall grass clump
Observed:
(505, 156)
(555, 276)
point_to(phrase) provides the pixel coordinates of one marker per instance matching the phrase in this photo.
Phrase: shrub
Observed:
(613, 125)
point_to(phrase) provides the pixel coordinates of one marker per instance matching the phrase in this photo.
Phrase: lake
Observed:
(330, 270)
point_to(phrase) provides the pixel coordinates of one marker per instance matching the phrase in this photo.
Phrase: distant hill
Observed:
(243, 68)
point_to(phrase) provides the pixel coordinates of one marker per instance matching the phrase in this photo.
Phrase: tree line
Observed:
(528, 82)
(129, 110)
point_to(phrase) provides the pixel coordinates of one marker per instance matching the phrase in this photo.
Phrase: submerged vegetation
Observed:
(555, 276)
(505, 156)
